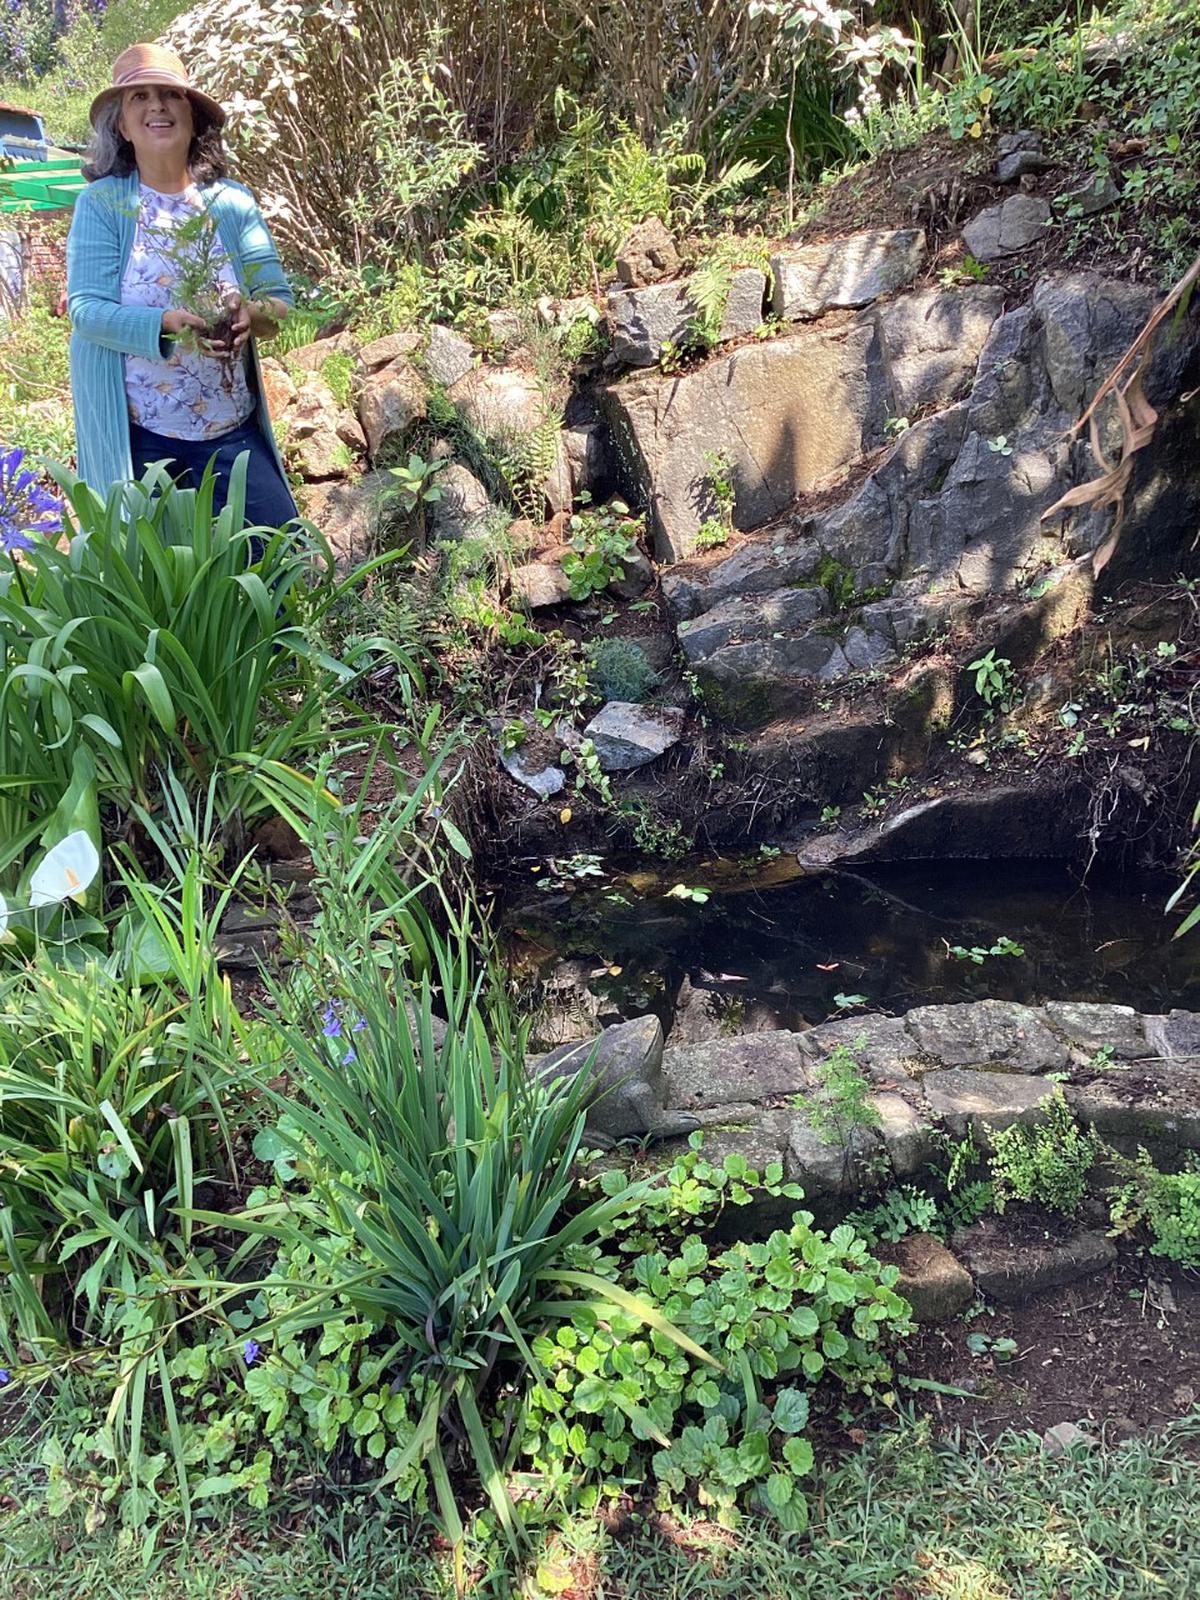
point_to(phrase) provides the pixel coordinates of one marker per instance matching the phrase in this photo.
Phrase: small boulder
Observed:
(500, 401)
(627, 735)
(1019, 154)
(391, 401)
(1007, 229)
(380, 353)
(448, 356)
(814, 278)
(936, 1285)
(464, 510)
(1064, 1437)
(648, 254)
(538, 585)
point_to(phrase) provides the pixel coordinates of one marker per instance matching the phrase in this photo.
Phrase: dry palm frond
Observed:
(1138, 420)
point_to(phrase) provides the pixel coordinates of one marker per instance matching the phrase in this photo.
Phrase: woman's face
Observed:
(157, 121)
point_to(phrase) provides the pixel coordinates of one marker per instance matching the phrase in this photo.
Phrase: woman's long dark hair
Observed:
(111, 156)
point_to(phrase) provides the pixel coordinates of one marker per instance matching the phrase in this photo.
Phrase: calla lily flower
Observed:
(65, 872)
(5, 936)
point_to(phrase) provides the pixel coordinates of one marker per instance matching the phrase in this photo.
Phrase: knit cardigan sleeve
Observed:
(261, 269)
(94, 261)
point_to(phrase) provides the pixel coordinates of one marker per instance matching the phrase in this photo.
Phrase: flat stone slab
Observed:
(756, 1067)
(1007, 229)
(1008, 1268)
(840, 273)
(934, 1282)
(986, 1031)
(1150, 1102)
(627, 735)
(882, 1046)
(1092, 1030)
(754, 618)
(985, 1102)
(758, 567)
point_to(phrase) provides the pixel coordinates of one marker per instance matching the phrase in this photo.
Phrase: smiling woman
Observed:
(172, 277)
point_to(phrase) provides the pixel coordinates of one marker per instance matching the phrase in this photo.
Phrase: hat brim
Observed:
(151, 79)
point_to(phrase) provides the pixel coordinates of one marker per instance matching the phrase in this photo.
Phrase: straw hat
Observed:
(153, 64)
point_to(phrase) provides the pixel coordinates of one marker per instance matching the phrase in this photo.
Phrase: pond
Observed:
(764, 951)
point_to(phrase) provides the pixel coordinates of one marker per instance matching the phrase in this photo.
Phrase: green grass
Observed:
(937, 1520)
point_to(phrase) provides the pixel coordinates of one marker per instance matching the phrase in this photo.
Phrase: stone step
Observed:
(977, 1067)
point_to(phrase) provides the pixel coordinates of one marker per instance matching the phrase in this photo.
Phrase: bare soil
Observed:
(1121, 1350)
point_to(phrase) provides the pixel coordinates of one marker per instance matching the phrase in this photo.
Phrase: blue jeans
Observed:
(269, 502)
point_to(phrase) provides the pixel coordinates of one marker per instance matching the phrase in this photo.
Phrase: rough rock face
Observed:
(643, 320)
(852, 272)
(949, 515)
(788, 413)
(464, 508)
(324, 441)
(791, 413)
(647, 254)
(391, 401)
(1006, 229)
(350, 515)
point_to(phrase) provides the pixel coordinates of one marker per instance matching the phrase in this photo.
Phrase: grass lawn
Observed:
(908, 1516)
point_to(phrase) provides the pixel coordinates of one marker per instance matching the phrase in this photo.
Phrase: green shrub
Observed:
(155, 640)
(619, 669)
(782, 1315)
(602, 540)
(1167, 1203)
(453, 1169)
(1048, 1164)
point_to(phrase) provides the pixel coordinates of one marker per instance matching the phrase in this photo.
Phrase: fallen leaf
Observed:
(564, 816)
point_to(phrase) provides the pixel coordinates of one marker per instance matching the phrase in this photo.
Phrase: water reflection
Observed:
(797, 951)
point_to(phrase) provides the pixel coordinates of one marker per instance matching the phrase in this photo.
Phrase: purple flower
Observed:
(26, 508)
(5, 1377)
(359, 1025)
(349, 1058)
(251, 1351)
(333, 1023)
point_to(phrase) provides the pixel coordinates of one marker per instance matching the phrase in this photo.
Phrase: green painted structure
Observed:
(40, 185)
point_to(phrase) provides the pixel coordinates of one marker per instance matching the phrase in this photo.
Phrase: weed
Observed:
(842, 1107)
(1048, 1164)
(619, 669)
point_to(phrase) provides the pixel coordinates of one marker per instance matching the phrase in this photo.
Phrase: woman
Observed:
(157, 226)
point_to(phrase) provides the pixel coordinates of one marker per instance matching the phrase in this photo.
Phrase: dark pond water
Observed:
(798, 952)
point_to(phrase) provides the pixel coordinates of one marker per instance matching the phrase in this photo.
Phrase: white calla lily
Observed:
(5, 936)
(65, 871)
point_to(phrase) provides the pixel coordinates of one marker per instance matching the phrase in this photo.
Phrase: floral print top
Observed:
(187, 394)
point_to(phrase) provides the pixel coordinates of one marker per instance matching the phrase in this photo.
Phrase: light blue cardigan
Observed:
(103, 330)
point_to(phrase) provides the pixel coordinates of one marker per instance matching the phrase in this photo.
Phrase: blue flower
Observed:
(26, 508)
(5, 1377)
(349, 1058)
(333, 1023)
(359, 1025)
(251, 1351)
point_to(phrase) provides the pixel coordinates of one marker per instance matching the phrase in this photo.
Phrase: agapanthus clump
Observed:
(27, 507)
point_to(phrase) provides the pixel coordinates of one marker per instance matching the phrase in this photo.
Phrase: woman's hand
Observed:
(176, 323)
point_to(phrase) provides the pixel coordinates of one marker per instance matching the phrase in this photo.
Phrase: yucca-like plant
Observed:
(453, 1168)
(161, 636)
